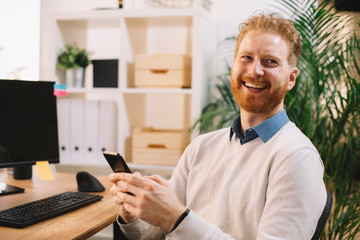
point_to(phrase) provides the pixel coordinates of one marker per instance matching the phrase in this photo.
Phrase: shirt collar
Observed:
(264, 130)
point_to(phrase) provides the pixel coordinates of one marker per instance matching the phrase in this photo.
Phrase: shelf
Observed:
(122, 34)
(157, 91)
(93, 90)
(185, 91)
(75, 90)
(122, 13)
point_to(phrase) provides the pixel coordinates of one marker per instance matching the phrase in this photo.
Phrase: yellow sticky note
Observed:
(44, 170)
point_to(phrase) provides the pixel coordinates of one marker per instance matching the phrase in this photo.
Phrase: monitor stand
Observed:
(23, 172)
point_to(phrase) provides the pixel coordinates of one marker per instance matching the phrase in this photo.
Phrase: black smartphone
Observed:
(8, 189)
(116, 162)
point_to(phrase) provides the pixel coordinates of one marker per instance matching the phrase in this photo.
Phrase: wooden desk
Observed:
(78, 224)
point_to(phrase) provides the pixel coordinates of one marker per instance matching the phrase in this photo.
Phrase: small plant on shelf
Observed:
(73, 61)
(72, 57)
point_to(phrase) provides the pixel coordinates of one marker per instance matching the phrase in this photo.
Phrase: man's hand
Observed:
(153, 200)
(126, 216)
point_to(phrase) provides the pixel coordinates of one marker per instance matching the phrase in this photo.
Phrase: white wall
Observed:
(229, 13)
(20, 39)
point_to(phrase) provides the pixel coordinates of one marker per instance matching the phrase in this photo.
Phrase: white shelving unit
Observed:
(121, 34)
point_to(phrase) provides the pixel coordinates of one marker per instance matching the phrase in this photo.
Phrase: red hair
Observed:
(272, 23)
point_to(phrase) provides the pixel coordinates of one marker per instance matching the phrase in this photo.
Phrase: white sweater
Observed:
(257, 190)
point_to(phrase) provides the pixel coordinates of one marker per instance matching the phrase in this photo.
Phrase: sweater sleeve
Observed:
(141, 230)
(194, 227)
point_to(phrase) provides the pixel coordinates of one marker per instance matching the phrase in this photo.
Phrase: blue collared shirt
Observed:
(264, 130)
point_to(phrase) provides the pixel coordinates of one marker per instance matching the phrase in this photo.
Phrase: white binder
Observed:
(77, 130)
(63, 111)
(91, 127)
(107, 128)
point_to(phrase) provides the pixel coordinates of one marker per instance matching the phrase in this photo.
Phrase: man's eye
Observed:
(245, 58)
(270, 62)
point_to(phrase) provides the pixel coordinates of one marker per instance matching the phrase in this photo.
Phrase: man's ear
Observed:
(292, 78)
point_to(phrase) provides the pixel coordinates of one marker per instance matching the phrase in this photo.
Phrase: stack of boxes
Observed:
(159, 146)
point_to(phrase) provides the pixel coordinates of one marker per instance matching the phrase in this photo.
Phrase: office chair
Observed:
(117, 234)
(324, 217)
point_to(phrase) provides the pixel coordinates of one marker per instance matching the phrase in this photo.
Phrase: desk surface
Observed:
(78, 224)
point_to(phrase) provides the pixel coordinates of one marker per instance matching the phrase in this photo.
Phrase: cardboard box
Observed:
(163, 147)
(170, 70)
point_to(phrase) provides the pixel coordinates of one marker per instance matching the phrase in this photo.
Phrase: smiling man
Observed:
(261, 178)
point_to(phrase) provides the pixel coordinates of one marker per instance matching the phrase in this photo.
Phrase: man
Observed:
(260, 179)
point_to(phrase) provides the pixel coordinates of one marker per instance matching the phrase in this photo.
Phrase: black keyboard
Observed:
(37, 211)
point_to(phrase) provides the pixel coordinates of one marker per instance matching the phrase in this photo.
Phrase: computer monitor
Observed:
(28, 126)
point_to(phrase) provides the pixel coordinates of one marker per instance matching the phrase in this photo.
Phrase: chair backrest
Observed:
(324, 217)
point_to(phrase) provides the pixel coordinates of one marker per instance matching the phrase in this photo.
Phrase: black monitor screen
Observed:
(28, 123)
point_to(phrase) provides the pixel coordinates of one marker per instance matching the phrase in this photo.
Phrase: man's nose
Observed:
(256, 69)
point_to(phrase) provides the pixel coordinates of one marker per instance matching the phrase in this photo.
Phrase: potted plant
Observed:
(73, 61)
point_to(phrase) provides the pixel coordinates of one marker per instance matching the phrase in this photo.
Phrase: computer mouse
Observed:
(88, 183)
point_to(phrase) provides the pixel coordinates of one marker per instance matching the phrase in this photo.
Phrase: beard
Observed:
(263, 102)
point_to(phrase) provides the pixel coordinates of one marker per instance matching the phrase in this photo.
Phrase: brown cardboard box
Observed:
(163, 147)
(163, 70)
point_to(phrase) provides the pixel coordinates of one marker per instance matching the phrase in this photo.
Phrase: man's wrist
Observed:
(120, 220)
(180, 219)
